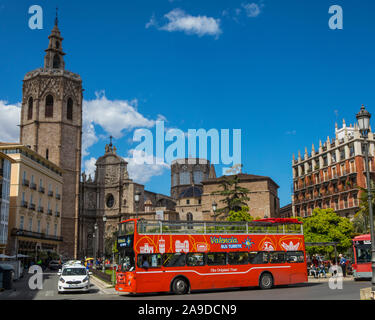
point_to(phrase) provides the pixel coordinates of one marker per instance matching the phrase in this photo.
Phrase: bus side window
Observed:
(215, 259)
(238, 257)
(195, 259)
(295, 257)
(277, 257)
(258, 257)
(174, 260)
(149, 260)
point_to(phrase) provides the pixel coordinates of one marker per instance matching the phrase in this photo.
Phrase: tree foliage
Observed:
(234, 196)
(241, 215)
(326, 226)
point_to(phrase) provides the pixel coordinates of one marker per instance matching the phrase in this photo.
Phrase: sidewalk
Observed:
(103, 286)
(322, 279)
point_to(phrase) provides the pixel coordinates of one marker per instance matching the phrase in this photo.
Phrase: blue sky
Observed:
(271, 68)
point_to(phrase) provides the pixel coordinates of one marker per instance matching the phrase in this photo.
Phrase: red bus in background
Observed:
(362, 257)
(178, 257)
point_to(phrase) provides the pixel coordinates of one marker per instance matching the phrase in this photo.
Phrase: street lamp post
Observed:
(95, 240)
(104, 222)
(363, 118)
(136, 199)
(214, 207)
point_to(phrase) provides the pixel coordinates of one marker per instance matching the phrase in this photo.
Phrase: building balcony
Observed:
(24, 204)
(32, 206)
(49, 212)
(25, 182)
(34, 235)
(57, 214)
(50, 193)
(40, 209)
(58, 196)
(33, 186)
(41, 189)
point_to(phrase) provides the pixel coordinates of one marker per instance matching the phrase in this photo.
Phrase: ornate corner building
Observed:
(330, 176)
(51, 125)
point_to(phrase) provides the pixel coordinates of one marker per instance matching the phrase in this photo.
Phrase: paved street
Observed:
(318, 290)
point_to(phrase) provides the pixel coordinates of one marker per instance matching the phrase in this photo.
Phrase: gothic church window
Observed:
(49, 107)
(185, 178)
(30, 109)
(69, 109)
(110, 201)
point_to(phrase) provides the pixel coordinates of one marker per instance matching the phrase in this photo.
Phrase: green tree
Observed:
(326, 226)
(234, 196)
(241, 215)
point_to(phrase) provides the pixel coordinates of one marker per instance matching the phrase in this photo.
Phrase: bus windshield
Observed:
(363, 253)
(126, 228)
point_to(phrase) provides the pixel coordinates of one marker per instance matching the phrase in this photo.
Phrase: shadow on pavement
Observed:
(197, 292)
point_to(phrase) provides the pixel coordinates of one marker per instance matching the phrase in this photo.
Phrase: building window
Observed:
(31, 224)
(49, 107)
(198, 176)
(325, 161)
(189, 218)
(185, 177)
(21, 222)
(188, 201)
(47, 229)
(333, 157)
(351, 150)
(38, 230)
(342, 154)
(69, 109)
(47, 154)
(30, 109)
(55, 230)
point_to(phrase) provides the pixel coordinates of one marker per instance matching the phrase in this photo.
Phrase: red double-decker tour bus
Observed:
(362, 257)
(175, 256)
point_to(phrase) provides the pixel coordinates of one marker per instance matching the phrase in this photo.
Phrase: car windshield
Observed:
(74, 272)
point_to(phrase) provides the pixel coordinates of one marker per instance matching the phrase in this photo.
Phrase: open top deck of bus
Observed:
(264, 226)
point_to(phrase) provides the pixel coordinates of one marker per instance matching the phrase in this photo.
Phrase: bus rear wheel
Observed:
(180, 286)
(266, 281)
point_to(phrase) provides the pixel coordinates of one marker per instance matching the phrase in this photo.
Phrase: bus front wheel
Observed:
(180, 286)
(266, 281)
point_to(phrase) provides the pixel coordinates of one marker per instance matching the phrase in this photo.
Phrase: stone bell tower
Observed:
(51, 124)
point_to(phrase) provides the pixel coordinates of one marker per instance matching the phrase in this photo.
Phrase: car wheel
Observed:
(266, 281)
(180, 286)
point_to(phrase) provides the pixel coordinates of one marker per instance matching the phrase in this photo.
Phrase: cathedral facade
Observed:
(110, 197)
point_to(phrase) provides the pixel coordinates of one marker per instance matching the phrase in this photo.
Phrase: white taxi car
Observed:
(73, 278)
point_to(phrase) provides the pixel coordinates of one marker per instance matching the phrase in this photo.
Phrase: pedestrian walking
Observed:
(343, 265)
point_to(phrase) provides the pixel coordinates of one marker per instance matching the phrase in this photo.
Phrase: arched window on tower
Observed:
(30, 109)
(56, 62)
(49, 107)
(57, 45)
(69, 109)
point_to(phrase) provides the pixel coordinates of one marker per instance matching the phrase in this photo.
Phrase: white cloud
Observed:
(252, 10)
(181, 21)
(114, 116)
(143, 171)
(9, 120)
(90, 167)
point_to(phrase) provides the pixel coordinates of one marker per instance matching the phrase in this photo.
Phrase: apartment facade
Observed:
(5, 174)
(330, 176)
(35, 202)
